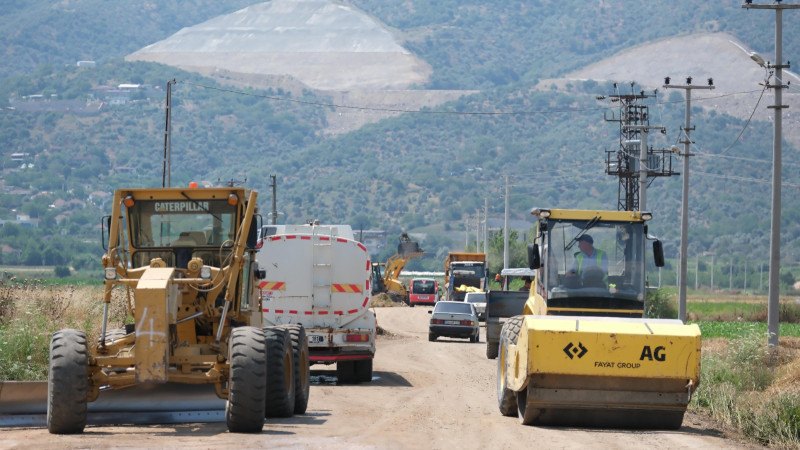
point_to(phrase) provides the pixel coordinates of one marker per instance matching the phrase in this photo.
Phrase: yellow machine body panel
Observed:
(619, 347)
(156, 307)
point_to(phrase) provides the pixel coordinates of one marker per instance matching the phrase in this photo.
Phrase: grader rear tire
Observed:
(506, 398)
(67, 382)
(244, 412)
(280, 396)
(302, 368)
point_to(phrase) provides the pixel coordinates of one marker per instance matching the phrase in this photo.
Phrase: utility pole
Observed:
(696, 271)
(466, 233)
(687, 129)
(477, 230)
(712, 273)
(486, 227)
(165, 174)
(505, 231)
(730, 271)
(274, 199)
(773, 305)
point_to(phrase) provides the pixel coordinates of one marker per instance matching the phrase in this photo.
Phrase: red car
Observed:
(424, 291)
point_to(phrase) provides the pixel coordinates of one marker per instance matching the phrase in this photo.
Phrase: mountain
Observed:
(529, 112)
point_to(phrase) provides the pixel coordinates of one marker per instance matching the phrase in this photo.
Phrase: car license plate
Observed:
(316, 339)
(451, 322)
(423, 297)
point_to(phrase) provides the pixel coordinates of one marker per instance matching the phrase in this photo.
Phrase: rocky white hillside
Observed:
(738, 80)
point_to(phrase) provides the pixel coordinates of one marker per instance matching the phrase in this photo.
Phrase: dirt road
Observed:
(437, 395)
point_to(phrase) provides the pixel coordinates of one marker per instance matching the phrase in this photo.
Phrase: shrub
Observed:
(660, 305)
(62, 271)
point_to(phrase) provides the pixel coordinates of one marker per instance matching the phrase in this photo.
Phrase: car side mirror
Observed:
(658, 253)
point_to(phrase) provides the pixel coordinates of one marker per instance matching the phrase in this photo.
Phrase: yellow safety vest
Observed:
(599, 254)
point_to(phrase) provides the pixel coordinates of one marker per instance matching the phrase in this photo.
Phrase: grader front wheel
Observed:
(67, 382)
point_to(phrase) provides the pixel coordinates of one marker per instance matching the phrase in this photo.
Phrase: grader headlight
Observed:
(110, 273)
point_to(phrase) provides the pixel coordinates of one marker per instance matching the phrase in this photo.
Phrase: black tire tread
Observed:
(279, 399)
(302, 367)
(506, 398)
(247, 381)
(67, 382)
(363, 369)
(492, 349)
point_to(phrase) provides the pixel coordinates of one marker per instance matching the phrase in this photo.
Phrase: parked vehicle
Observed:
(424, 291)
(478, 300)
(454, 319)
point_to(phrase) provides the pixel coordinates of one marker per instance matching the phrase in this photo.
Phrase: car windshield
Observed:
(601, 259)
(476, 298)
(453, 308)
(423, 287)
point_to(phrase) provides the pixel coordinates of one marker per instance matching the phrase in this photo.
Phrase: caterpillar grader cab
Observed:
(185, 261)
(580, 352)
(385, 276)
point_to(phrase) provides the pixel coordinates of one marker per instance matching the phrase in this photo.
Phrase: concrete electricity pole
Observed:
(775, 228)
(687, 128)
(505, 231)
(486, 227)
(274, 186)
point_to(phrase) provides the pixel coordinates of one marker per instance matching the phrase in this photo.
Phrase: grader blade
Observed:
(24, 404)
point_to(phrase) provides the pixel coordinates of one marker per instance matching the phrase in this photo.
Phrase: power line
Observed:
(766, 84)
(753, 180)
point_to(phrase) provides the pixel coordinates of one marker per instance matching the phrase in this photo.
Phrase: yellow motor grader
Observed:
(580, 352)
(185, 259)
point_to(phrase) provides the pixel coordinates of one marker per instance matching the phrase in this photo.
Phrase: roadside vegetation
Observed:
(744, 384)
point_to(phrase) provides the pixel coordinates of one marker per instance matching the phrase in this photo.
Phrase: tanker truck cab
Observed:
(581, 352)
(590, 263)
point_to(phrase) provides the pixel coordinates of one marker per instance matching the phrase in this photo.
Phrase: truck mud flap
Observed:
(24, 404)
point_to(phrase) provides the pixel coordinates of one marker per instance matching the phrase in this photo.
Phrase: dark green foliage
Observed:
(422, 173)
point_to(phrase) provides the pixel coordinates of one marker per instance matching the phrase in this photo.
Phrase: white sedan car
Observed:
(478, 299)
(454, 319)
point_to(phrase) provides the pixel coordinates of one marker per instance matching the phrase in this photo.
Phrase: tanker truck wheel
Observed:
(67, 382)
(506, 398)
(247, 354)
(364, 370)
(280, 395)
(302, 368)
